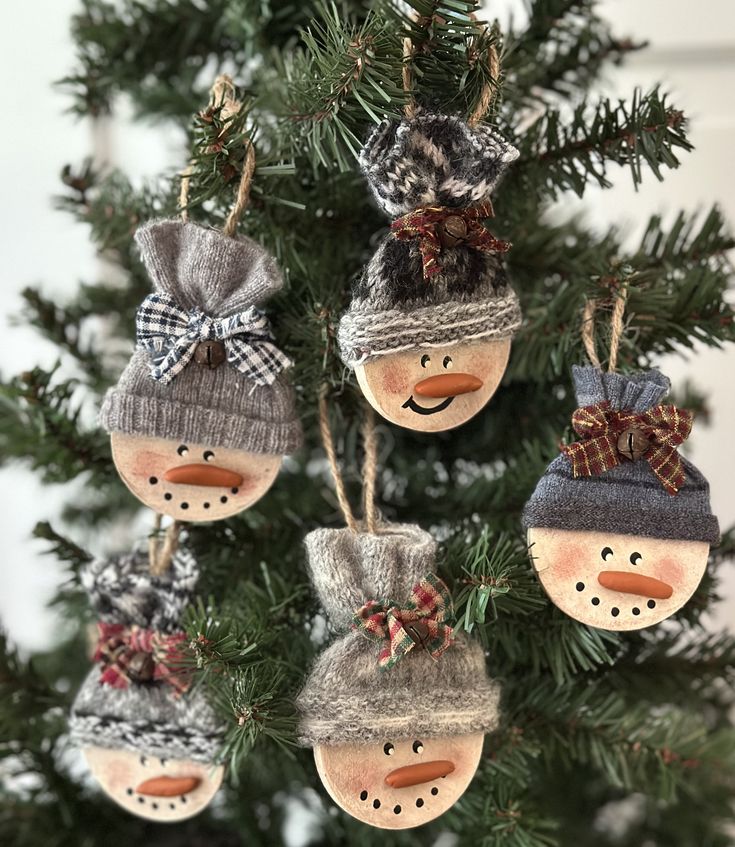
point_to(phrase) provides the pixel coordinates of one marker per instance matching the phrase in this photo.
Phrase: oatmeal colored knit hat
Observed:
(348, 697)
(415, 166)
(628, 498)
(114, 708)
(206, 368)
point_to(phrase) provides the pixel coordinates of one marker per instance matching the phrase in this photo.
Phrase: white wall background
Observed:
(693, 54)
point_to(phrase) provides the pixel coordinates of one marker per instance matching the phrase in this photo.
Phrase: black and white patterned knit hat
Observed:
(429, 161)
(207, 288)
(146, 717)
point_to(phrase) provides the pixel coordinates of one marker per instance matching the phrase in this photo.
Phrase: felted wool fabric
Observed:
(628, 498)
(429, 160)
(347, 698)
(144, 717)
(201, 268)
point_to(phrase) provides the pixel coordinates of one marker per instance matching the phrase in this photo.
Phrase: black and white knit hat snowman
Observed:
(148, 738)
(203, 414)
(620, 525)
(397, 707)
(433, 314)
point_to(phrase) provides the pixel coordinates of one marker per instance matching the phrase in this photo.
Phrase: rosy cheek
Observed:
(149, 463)
(670, 571)
(568, 560)
(394, 379)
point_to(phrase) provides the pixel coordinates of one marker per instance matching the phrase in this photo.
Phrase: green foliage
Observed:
(593, 722)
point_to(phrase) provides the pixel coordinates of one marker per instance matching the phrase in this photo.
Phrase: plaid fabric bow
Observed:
(171, 335)
(424, 224)
(119, 645)
(666, 427)
(424, 613)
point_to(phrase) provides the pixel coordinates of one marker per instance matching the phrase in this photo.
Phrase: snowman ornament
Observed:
(147, 738)
(430, 323)
(203, 414)
(396, 709)
(619, 527)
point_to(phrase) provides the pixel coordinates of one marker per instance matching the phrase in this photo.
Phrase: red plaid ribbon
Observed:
(383, 620)
(424, 225)
(118, 644)
(666, 427)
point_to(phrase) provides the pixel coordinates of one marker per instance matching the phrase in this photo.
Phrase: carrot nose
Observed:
(447, 385)
(416, 774)
(200, 474)
(635, 583)
(168, 786)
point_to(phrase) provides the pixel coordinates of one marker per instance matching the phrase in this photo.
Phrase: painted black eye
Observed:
(425, 361)
(208, 455)
(183, 450)
(143, 760)
(606, 553)
(163, 762)
(447, 361)
(418, 747)
(389, 749)
(635, 558)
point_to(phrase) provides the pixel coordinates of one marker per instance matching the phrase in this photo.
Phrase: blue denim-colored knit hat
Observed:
(627, 499)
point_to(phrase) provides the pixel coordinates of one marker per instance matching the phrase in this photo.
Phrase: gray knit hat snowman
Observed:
(149, 738)
(620, 524)
(435, 296)
(207, 382)
(397, 698)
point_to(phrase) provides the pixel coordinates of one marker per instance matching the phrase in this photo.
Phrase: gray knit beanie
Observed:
(245, 402)
(628, 498)
(146, 717)
(348, 698)
(429, 161)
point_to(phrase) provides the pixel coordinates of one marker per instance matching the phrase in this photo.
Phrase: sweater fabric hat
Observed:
(206, 287)
(430, 162)
(629, 498)
(146, 717)
(348, 697)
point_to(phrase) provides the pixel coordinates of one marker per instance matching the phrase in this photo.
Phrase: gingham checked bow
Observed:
(383, 620)
(171, 335)
(119, 644)
(666, 427)
(424, 224)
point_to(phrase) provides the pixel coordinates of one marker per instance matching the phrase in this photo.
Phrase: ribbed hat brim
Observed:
(364, 335)
(156, 418)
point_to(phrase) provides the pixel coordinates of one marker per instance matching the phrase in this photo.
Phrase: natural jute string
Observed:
(617, 326)
(223, 94)
(369, 467)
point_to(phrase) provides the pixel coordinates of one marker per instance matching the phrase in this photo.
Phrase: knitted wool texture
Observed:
(202, 268)
(347, 698)
(628, 499)
(146, 717)
(429, 160)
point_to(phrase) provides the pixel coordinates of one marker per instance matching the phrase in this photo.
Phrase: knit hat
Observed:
(628, 498)
(348, 698)
(207, 286)
(430, 161)
(148, 717)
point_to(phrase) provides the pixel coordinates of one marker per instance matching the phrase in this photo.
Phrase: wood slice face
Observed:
(390, 382)
(355, 777)
(204, 483)
(616, 582)
(121, 773)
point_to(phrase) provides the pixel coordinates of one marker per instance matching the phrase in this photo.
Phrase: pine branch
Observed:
(567, 156)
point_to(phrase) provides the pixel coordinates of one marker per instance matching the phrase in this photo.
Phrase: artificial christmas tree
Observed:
(592, 723)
